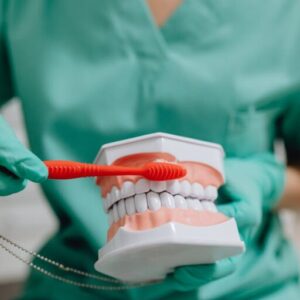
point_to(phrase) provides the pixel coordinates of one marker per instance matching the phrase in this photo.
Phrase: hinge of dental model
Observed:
(11, 248)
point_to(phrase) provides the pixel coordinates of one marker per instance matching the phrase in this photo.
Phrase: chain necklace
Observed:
(6, 244)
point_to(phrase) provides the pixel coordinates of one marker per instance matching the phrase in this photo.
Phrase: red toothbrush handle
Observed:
(64, 169)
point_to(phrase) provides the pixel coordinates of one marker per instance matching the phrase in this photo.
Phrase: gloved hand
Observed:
(189, 278)
(19, 160)
(253, 185)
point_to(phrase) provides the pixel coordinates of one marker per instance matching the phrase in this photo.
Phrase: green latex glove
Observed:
(189, 278)
(253, 186)
(19, 160)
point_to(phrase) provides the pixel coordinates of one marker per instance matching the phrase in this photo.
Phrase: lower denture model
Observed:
(155, 226)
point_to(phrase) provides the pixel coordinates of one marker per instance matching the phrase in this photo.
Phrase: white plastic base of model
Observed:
(139, 256)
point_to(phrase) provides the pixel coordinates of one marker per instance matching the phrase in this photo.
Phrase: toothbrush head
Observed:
(163, 171)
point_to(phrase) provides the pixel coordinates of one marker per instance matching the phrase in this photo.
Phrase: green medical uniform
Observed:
(93, 72)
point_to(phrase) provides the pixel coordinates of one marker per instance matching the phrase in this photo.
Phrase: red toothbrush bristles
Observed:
(163, 171)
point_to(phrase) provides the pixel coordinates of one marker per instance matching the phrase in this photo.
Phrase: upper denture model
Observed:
(163, 224)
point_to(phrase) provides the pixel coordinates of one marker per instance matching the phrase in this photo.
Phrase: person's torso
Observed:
(90, 73)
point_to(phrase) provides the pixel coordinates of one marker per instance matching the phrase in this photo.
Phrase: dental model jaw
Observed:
(151, 217)
(136, 203)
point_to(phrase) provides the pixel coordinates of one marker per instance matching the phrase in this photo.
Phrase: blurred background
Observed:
(27, 219)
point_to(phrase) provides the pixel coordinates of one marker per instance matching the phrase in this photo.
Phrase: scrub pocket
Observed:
(251, 130)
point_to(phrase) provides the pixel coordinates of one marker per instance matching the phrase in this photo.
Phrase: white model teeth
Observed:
(127, 189)
(180, 201)
(198, 205)
(197, 190)
(115, 213)
(185, 189)
(211, 193)
(208, 205)
(167, 200)
(142, 186)
(158, 186)
(108, 201)
(140, 202)
(115, 195)
(121, 208)
(173, 187)
(110, 217)
(190, 203)
(153, 200)
(130, 206)
(194, 204)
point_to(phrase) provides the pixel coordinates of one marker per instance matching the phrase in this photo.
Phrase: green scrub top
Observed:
(92, 72)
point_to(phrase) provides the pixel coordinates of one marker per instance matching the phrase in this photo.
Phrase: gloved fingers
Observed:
(192, 277)
(244, 214)
(235, 204)
(10, 185)
(19, 160)
(23, 164)
(32, 168)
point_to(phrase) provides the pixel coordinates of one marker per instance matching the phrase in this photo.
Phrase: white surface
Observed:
(184, 149)
(24, 217)
(165, 247)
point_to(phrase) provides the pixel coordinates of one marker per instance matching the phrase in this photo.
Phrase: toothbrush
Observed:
(63, 169)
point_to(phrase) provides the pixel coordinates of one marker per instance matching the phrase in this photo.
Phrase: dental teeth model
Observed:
(156, 226)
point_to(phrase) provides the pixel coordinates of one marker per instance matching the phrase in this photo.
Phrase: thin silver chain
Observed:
(65, 269)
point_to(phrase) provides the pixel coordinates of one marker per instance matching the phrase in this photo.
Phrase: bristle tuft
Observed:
(164, 171)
